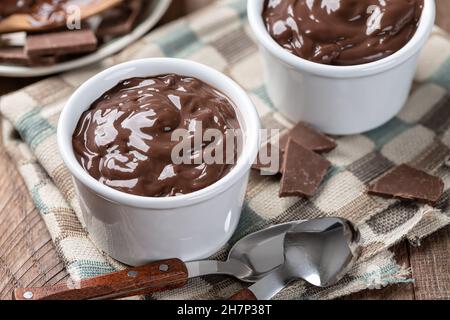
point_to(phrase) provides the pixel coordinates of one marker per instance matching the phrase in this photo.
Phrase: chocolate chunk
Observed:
(311, 139)
(284, 141)
(120, 20)
(303, 171)
(14, 55)
(267, 164)
(407, 183)
(17, 55)
(43, 60)
(59, 43)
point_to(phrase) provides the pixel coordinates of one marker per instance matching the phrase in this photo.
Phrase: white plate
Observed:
(155, 12)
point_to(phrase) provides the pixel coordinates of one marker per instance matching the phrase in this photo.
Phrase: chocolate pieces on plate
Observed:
(47, 48)
(408, 183)
(60, 43)
(18, 56)
(120, 20)
(13, 55)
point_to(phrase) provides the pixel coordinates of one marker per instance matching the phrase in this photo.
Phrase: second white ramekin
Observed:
(339, 100)
(136, 230)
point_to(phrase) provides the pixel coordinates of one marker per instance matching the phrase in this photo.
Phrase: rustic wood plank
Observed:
(430, 265)
(430, 262)
(27, 254)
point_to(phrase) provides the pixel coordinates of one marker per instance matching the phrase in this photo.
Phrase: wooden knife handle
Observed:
(244, 295)
(159, 276)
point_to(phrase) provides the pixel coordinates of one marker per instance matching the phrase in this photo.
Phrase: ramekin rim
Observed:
(251, 142)
(415, 44)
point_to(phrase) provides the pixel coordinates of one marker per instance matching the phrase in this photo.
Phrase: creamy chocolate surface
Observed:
(9, 7)
(125, 139)
(342, 32)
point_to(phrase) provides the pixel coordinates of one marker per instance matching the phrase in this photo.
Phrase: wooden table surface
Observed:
(28, 257)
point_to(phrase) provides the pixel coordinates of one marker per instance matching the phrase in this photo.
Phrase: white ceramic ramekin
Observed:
(136, 230)
(339, 99)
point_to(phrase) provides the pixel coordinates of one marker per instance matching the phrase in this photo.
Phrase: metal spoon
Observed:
(250, 259)
(318, 251)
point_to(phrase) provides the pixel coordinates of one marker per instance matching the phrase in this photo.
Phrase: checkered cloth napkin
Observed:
(219, 36)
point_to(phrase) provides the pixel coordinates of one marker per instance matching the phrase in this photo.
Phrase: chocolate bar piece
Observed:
(309, 138)
(284, 141)
(303, 171)
(60, 43)
(43, 60)
(408, 183)
(267, 164)
(120, 20)
(17, 55)
(14, 55)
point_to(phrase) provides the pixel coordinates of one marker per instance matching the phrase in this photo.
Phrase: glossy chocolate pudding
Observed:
(342, 32)
(9, 7)
(125, 139)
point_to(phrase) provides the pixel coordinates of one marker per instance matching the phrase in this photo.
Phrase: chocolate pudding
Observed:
(9, 7)
(125, 140)
(342, 32)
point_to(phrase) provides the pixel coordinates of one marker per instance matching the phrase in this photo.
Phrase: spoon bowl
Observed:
(320, 251)
(251, 258)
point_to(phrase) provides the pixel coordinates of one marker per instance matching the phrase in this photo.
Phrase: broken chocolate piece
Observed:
(408, 183)
(283, 141)
(303, 171)
(17, 55)
(311, 139)
(14, 55)
(267, 164)
(59, 43)
(43, 61)
(119, 20)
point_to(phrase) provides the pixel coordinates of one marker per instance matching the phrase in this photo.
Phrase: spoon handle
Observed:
(154, 277)
(244, 295)
(266, 288)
